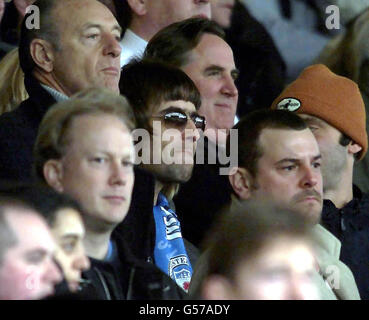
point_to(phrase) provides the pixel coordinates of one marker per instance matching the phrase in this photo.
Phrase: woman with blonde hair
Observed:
(12, 89)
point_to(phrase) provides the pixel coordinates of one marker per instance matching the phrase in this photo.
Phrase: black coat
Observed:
(138, 227)
(130, 280)
(262, 69)
(200, 201)
(18, 132)
(350, 225)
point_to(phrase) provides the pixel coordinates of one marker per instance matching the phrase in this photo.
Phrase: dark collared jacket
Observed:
(131, 280)
(18, 132)
(350, 225)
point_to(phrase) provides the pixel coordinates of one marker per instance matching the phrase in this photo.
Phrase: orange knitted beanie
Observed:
(335, 99)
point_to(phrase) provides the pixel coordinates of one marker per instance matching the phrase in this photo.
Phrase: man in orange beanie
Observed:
(334, 110)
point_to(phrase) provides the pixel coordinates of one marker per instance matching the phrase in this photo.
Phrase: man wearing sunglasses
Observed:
(165, 102)
(197, 47)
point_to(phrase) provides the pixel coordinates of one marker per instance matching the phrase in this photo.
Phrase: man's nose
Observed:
(82, 263)
(310, 177)
(229, 88)
(117, 173)
(112, 46)
(191, 131)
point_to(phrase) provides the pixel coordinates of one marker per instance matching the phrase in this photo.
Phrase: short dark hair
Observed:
(172, 44)
(43, 199)
(243, 232)
(249, 130)
(147, 83)
(48, 31)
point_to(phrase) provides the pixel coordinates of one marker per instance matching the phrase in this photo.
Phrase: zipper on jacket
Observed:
(106, 290)
(130, 283)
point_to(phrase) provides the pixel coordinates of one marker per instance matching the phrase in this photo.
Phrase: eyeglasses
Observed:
(179, 119)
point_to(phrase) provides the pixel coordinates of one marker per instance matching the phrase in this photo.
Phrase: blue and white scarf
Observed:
(170, 253)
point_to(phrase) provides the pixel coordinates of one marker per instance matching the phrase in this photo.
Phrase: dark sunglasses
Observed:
(179, 119)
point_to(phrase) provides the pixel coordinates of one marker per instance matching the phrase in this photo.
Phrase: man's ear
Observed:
(138, 6)
(217, 287)
(53, 174)
(42, 54)
(354, 148)
(241, 182)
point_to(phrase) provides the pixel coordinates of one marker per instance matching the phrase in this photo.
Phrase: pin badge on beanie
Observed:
(289, 104)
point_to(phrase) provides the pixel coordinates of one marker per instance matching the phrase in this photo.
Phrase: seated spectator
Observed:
(196, 46)
(348, 55)
(12, 90)
(165, 101)
(27, 269)
(262, 69)
(63, 215)
(297, 28)
(84, 148)
(259, 252)
(59, 59)
(334, 110)
(141, 20)
(279, 161)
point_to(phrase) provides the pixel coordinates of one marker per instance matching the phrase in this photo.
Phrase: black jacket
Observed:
(130, 280)
(262, 69)
(18, 132)
(350, 225)
(200, 200)
(138, 227)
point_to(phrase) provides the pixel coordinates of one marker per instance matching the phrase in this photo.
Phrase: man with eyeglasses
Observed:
(84, 148)
(197, 47)
(165, 102)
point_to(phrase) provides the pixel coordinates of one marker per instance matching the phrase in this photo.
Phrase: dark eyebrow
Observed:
(291, 160)
(214, 67)
(176, 109)
(234, 72)
(171, 109)
(70, 236)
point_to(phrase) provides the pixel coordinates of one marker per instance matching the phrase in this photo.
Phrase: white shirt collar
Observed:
(132, 46)
(58, 96)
